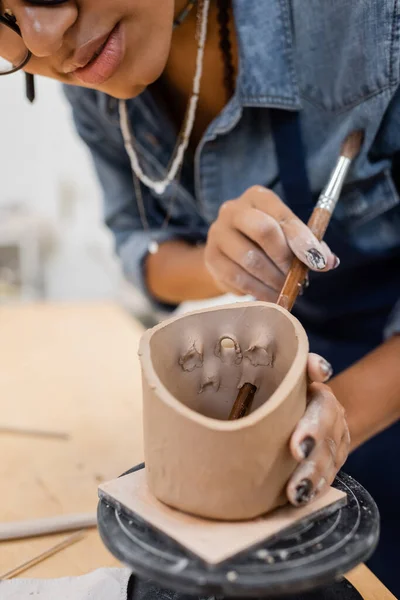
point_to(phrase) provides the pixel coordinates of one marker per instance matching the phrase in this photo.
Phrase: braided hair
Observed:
(225, 44)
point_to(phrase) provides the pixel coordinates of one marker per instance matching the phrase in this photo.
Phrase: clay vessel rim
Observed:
(284, 389)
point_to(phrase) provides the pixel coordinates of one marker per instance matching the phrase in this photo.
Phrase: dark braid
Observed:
(225, 44)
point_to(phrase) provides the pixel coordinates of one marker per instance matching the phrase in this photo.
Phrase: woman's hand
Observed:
(250, 246)
(321, 440)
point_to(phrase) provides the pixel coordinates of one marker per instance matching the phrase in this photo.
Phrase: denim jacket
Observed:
(335, 61)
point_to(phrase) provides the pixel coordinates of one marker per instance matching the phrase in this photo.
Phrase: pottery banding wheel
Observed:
(308, 557)
(190, 381)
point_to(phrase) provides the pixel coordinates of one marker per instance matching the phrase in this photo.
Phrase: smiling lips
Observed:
(100, 59)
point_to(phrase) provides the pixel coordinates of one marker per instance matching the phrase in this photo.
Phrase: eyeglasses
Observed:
(14, 55)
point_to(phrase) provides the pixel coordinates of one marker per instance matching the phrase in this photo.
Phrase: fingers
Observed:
(319, 370)
(320, 418)
(303, 243)
(247, 255)
(343, 449)
(264, 230)
(320, 444)
(315, 475)
(259, 234)
(232, 278)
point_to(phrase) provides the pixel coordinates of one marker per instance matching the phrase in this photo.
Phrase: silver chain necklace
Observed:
(176, 163)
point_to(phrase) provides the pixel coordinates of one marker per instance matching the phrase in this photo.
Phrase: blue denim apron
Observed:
(355, 308)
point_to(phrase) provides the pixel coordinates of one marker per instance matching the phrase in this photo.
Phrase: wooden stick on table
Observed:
(38, 527)
(39, 433)
(72, 539)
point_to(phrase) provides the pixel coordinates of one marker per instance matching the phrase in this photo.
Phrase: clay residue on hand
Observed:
(192, 359)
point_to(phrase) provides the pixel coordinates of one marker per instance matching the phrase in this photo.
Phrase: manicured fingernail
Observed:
(326, 368)
(336, 264)
(307, 446)
(315, 259)
(303, 492)
(303, 286)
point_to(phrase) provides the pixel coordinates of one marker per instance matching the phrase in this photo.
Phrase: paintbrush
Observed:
(318, 224)
(321, 216)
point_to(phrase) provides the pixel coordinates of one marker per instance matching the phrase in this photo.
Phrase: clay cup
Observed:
(197, 461)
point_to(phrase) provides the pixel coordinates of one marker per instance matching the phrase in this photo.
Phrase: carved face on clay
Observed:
(193, 367)
(212, 355)
(222, 363)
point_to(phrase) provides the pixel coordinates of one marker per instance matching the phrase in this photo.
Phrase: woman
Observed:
(282, 85)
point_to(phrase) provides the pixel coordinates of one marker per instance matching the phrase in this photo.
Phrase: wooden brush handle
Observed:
(243, 402)
(318, 224)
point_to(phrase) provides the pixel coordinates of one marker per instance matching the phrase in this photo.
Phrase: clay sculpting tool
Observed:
(39, 527)
(318, 224)
(66, 543)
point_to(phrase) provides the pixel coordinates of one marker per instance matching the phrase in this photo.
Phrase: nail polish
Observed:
(326, 368)
(307, 446)
(336, 263)
(303, 286)
(315, 259)
(303, 492)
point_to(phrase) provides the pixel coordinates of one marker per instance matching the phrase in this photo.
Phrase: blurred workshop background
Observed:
(53, 245)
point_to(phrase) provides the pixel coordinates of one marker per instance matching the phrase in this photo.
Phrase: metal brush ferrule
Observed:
(331, 193)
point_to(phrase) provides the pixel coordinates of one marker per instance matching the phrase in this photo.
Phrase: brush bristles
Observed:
(352, 144)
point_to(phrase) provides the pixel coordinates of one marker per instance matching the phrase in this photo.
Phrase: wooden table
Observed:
(73, 368)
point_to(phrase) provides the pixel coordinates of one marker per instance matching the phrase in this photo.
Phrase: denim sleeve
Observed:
(387, 144)
(121, 213)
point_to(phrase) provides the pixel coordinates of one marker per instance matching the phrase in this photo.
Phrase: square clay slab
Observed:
(212, 541)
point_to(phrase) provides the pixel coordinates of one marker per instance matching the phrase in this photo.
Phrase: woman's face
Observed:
(133, 38)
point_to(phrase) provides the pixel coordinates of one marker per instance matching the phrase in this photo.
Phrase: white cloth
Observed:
(194, 305)
(103, 584)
